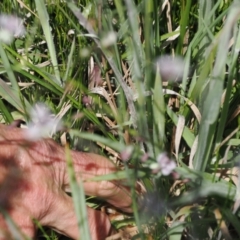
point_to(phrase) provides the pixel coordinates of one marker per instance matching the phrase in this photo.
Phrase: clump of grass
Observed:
(138, 81)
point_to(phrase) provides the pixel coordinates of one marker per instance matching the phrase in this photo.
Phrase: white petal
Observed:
(43, 124)
(169, 168)
(13, 24)
(6, 36)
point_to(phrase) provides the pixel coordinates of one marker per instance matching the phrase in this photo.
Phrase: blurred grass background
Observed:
(103, 67)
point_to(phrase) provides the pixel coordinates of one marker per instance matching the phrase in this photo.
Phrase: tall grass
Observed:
(128, 102)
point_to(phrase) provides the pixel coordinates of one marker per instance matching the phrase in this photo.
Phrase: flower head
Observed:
(42, 123)
(126, 153)
(166, 164)
(171, 68)
(10, 26)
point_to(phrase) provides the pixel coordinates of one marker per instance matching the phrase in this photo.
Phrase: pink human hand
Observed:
(34, 182)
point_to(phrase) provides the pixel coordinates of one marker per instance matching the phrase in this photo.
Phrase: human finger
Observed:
(62, 219)
(89, 165)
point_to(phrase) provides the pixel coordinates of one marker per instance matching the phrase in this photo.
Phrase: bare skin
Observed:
(34, 182)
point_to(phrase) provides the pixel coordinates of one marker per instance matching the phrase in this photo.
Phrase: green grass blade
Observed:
(231, 75)
(8, 69)
(128, 94)
(188, 136)
(5, 113)
(70, 61)
(12, 96)
(158, 114)
(118, 146)
(44, 20)
(185, 12)
(120, 175)
(78, 199)
(176, 230)
(138, 55)
(212, 102)
(205, 19)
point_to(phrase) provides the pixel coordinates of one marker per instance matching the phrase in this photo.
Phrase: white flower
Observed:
(166, 164)
(42, 124)
(109, 39)
(10, 27)
(171, 68)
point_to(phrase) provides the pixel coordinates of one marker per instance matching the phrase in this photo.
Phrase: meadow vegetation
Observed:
(152, 85)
